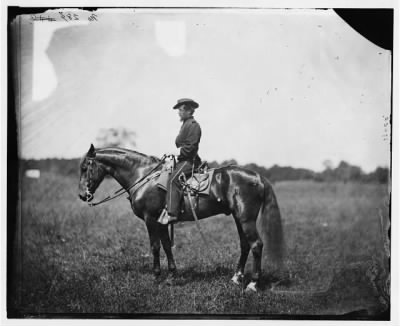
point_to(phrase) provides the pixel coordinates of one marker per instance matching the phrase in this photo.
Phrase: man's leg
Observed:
(174, 191)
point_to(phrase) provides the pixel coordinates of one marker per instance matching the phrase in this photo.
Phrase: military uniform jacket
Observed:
(188, 141)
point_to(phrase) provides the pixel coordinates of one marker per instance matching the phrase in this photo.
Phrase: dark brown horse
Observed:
(245, 195)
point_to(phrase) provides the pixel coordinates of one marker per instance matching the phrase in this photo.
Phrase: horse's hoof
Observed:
(237, 278)
(251, 287)
(169, 280)
(172, 273)
(172, 268)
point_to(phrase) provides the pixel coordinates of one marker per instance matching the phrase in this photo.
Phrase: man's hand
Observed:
(169, 156)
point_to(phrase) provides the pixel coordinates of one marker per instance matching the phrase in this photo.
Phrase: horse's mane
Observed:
(128, 154)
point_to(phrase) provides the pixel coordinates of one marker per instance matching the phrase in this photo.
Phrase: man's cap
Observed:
(188, 101)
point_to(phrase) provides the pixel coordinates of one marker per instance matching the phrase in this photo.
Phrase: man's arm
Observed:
(190, 144)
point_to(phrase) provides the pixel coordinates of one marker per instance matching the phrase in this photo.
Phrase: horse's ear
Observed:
(91, 152)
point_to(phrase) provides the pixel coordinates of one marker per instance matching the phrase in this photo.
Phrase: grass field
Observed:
(78, 259)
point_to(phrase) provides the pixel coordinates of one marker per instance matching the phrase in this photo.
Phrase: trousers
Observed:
(174, 189)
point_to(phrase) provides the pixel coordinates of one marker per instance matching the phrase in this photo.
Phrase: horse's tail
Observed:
(270, 225)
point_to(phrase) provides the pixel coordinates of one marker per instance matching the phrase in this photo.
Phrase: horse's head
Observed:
(91, 175)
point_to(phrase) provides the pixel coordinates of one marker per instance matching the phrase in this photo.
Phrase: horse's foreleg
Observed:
(166, 243)
(153, 229)
(244, 253)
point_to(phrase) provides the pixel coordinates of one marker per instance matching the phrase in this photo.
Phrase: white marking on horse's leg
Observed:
(218, 177)
(251, 287)
(237, 278)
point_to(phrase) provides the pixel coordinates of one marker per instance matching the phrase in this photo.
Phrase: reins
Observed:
(121, 191)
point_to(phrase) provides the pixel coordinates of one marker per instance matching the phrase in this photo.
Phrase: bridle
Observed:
(146, 178)
(89, 180)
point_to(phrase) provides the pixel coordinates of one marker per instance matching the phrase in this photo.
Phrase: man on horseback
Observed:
(246, 195)
(187, 141)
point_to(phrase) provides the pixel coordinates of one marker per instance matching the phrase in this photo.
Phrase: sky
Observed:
(288, 87)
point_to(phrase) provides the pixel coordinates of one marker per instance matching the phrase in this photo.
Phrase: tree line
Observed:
(344, 172)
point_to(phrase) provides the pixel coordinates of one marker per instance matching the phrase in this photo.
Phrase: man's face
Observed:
(183, 114)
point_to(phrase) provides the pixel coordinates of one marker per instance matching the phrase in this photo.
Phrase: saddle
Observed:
(199, 183)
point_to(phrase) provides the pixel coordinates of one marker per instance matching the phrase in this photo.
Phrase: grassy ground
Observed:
(97, 260)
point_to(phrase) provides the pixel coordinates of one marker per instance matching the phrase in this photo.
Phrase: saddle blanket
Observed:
(200, 182)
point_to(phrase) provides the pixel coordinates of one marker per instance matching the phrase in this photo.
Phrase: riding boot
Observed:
(163, 219)
(166, 218)
(174, 189)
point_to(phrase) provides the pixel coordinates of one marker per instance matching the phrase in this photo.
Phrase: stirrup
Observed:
(172, 221)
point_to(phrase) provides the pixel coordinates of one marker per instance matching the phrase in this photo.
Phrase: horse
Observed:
(244, 194)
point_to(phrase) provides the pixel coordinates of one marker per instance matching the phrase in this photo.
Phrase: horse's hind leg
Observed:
(256, 246)
(244, 253)
(166, 243)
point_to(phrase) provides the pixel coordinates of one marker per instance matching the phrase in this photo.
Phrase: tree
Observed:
(116, 137)
(229, 162)
(347, 172)
(342, 172)
(381, 175)
(327, 164)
